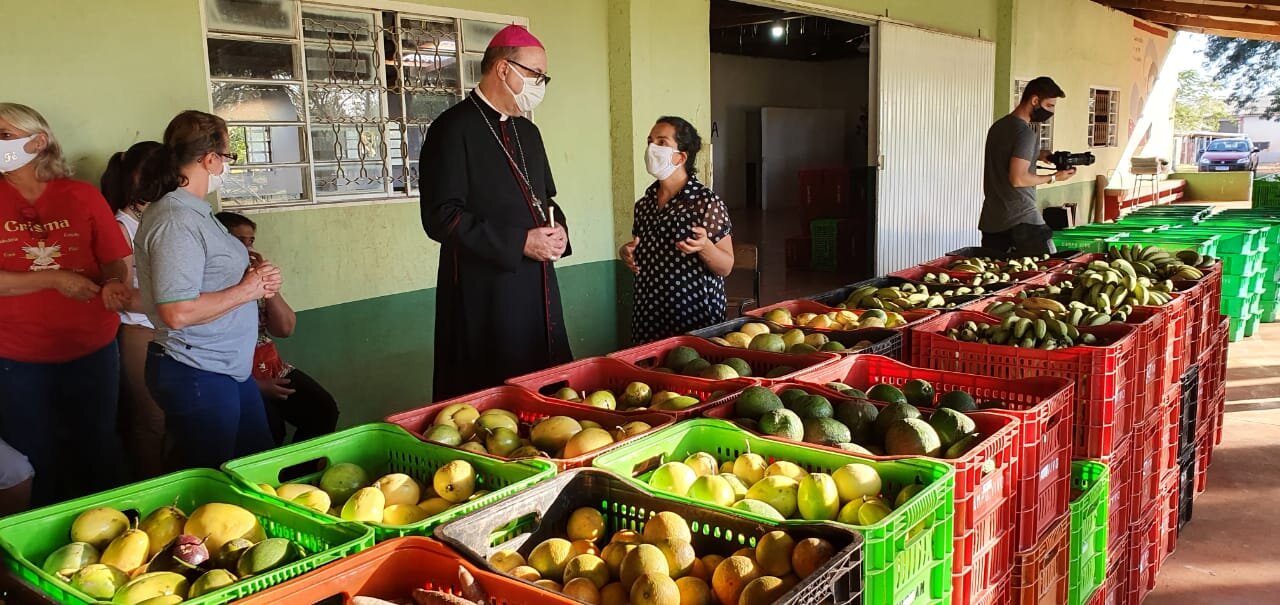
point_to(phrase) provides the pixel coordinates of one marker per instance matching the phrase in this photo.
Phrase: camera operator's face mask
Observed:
(1040, 114)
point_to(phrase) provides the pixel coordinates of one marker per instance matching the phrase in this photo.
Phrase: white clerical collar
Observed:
(479, 94)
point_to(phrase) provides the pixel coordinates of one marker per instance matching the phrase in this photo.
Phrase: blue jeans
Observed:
(210, 418)
(63, 417)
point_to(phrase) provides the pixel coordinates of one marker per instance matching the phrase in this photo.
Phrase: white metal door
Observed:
(934, 108)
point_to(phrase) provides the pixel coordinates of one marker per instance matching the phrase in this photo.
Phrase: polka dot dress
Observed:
(675, 292)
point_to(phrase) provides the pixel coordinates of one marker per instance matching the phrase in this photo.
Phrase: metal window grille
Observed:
(1046, 128)
(1104, 117)
(329, 103)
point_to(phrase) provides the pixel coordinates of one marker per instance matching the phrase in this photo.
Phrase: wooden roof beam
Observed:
(1183, 21)
(1198, 10)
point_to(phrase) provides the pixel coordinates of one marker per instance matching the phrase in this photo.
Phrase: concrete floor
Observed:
(1230, 552)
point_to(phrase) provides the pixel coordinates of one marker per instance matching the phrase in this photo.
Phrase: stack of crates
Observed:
(1091, 238)
(1266, 192)
(1242, 246)
(1270, 303)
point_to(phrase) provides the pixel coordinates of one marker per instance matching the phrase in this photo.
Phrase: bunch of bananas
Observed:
(989, 265)
(1023, 332)
(1074, 313)
(983, 279)
(1157, 263)
(906, 297)
(1106, 286)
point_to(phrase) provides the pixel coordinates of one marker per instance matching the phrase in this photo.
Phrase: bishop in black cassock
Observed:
(487, 194)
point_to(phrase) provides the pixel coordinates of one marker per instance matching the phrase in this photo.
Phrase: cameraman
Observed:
(1010, 220)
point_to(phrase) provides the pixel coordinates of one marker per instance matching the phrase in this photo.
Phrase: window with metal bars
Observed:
(1046, 128)
(1104, 117)
(330, 103)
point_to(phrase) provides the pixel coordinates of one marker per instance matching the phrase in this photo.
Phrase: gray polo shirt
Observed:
(182, 251)
(1005, 206)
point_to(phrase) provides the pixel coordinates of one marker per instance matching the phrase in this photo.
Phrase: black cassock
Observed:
(498, 312)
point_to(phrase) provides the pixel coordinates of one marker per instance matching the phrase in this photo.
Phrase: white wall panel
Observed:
(934, 111)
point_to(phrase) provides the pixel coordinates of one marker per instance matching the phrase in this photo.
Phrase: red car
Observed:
(1229, 154)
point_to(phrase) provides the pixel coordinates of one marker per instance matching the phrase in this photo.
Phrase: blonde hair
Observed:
(49, 162)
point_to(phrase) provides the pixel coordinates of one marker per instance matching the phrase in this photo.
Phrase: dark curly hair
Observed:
(687, 140)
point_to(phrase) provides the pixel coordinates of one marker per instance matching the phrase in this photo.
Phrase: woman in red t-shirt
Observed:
(63, 276)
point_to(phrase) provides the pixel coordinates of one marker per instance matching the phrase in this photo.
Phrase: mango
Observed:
(128, 552)
(99, 581)
(456, 480)
(403, 514)
(366, 506)
(150, 586)
(99, 526)
(227, 556)
(162, 526)
(69, 559)
(399, 488)
(552, 433)
(316, 500)
(222, 523)
(290, 491)
(211, 581)
(267, 555)
(343, 479)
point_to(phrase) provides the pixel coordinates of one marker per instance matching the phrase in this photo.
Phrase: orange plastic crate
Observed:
(1041, 575)
(392, 570)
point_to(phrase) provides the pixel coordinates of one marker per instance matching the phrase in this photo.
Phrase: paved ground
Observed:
(1230, 552)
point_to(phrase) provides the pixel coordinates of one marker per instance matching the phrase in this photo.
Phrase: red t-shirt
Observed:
(69, 228)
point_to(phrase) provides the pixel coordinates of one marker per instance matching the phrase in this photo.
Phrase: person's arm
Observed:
(209, 306)
(444, 192)
(281, 319)
(562, 223)
(117, 285)
(176, 254)
(71, 285)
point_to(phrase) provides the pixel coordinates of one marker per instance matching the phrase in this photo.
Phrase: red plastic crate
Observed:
(985, 476)
(649, 356)
(1203, 307)
(1103, 375)
(1041, 575)
(959, 278)
(391, 570)
(1204, 456)
(987, 581)
(1145, 475)
(940, 264)
(597, 373)
(1042, 403)
(1120, 507)
(798, 306)
(1168, 520)
(531, 407)
(1170, 412)
(1115, 591)
(1144, 552)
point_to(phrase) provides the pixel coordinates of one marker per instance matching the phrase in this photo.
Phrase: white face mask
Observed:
(13, 154)
(657, 160)
(528, 98)
(216, 180)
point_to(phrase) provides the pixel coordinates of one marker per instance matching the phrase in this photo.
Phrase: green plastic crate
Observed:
(1241, 263)
(381, 449)
(1238, 327)
(1231, 240)
(906, 557)
(1266, 193)
(1241, 286)
(1084, 242)
(824, 251)
(1270, 312)
(1173, 242)
(1272, 237)
(27, 538)
(1089, 512)
(1252, 324)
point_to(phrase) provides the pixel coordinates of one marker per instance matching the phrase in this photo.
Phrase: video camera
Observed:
(1065, 160)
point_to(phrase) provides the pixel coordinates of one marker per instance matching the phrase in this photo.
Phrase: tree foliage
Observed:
(1250, 69)
(1199, 105)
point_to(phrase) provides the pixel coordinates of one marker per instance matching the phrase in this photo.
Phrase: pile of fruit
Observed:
(990, 266)
(500, 432)
(168, 557)
(906, 297)
(688, 361)
(843, 319)
(895, 427)
(1073, 314)
(1157, 263)
(782, 490)
(1017, 331)
(659, 566)
(975, 281)
(757, 336)
(636, 396)
(395, 499)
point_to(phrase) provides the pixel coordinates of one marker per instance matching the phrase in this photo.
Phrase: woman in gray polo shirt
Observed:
(200, 293)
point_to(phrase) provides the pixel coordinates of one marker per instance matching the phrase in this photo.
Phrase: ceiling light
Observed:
(777, 31)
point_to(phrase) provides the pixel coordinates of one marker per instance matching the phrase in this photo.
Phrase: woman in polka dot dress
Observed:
(681, 249)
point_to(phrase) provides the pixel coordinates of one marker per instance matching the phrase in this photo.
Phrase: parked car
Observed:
(1229, 154)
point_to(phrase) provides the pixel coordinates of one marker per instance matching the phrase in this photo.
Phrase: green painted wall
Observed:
(1217, 186)
(375, 355)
